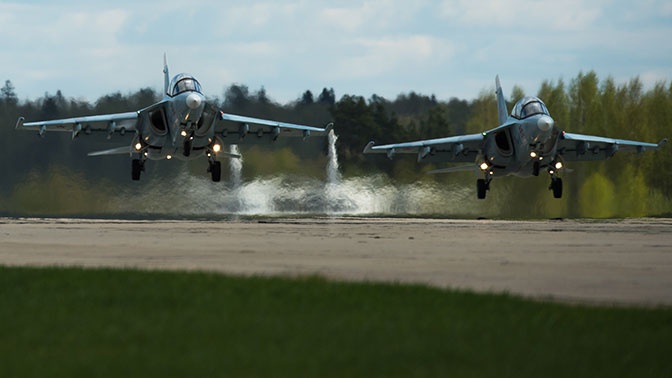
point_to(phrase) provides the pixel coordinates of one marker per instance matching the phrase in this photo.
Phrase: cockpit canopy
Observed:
(184, 83)
(528, 106)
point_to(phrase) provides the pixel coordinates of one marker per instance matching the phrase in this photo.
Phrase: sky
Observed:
(450, 48)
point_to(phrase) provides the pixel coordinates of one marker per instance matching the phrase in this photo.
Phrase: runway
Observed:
(619, 262)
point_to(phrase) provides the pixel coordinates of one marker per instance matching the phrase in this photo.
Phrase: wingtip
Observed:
(328, 127)
(662, 142)
(19, 123)
(367, 148)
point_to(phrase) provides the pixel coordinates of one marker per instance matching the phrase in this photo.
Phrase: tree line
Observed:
(626, 185)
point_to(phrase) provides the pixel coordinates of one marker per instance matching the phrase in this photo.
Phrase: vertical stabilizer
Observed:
(166, 78)
(502, 112)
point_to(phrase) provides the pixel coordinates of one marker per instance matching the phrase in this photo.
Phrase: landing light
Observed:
(484, 166)
(533, 154)
(558, 165)
(168, 157)
(183, 133)
(217, 147)
(138, 146)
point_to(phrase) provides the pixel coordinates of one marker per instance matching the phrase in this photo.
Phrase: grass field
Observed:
(67, 322)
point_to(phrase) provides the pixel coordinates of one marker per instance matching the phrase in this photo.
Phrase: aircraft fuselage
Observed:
(516, 148)
(181, 126)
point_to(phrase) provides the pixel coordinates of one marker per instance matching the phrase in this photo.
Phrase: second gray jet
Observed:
(525, 143)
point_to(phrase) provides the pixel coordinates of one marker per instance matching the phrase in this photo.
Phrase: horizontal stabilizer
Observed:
(461, 168)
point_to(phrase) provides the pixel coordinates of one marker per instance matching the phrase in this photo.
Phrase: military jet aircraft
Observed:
(182, 125)
(525, 143)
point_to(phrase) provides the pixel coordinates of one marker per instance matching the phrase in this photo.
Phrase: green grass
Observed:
(73, 322)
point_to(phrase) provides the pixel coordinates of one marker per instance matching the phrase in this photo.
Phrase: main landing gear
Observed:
(482, 186)
(556, 186)
(137, 167)
(215, 170)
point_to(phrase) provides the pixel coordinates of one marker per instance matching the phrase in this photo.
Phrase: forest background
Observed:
(52, 176)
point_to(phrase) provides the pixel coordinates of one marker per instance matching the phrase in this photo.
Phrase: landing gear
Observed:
(535, 168)
(137, 167)
(188, 143)
(482, 186)
(556, 187)
(186, 148)
(215, 170)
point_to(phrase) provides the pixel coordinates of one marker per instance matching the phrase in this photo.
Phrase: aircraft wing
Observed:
(242, 128)
(578, 147)
(119, 122)
(455, 149)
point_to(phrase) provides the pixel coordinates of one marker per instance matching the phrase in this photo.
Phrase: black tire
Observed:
(216, 171)
(136, 169)
(481, 188)
(535, 169)
(556, 185)
(187, 147)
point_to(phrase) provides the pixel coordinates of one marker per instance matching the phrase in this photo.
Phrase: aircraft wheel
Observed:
(136, 169)
(535, 169)
(216, 171)
(556, 185)
(481, 188)
(187, 147)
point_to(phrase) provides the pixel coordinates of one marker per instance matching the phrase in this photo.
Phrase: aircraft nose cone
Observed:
(545, 123)
(194, 101)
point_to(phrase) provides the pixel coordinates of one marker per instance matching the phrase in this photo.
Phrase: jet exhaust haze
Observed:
(283, 194)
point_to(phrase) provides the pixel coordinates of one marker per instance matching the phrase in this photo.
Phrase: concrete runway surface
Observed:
(613, 262)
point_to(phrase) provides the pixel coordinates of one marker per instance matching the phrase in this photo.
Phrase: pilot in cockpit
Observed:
(184, 83)
(527, 107)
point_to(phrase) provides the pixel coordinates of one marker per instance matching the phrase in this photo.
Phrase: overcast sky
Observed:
(449, 48)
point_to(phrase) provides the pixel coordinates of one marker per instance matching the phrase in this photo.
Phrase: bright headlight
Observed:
(558, 165)
(138, 146)
(484, 166)
(216, 147)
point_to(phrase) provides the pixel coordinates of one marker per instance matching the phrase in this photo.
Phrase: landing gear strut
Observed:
(535, 168)
(137, 167)
(215, 169)
(482, 186)
(188, 143)
(186, 148)
(556, 186)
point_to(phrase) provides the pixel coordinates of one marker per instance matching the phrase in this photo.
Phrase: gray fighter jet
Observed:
(182, 125)
(525, 143)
